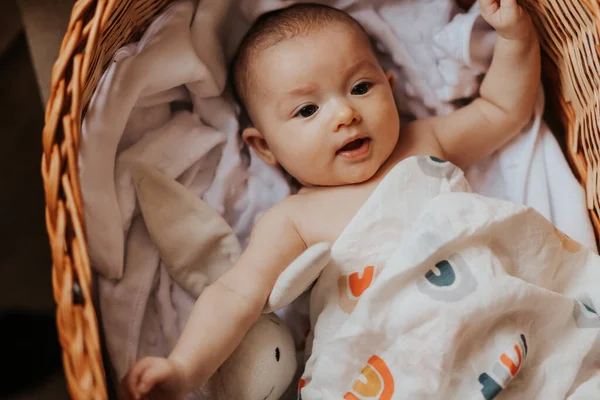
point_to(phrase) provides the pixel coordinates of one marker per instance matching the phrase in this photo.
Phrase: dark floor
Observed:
(26, 303)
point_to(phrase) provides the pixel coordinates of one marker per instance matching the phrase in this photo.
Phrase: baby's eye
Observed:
(307, 111)
(361, 88)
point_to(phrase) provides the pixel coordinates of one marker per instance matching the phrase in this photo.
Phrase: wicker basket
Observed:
(569, 31)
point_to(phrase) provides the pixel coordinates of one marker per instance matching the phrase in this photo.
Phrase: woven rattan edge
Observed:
(83, 57)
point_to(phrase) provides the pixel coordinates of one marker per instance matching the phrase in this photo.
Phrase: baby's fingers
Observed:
(509, 4)
(500, 9)
(152, 372)
(489, 7)
(510, 9)
(128, 387)
(141, 378)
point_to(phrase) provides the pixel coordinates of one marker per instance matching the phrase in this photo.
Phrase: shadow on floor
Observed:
(26, 304)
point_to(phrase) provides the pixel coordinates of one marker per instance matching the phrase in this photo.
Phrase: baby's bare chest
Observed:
(322, 217)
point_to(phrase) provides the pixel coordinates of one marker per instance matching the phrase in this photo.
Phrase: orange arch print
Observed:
(358, 284)
(377, 382)
(508, 363)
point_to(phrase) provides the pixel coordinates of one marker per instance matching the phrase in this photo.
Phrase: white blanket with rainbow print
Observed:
(434, 292)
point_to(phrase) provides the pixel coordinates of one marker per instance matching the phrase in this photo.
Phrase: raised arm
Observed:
(507, 93)
(222, 314)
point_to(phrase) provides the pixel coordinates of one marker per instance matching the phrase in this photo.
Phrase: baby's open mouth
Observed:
(355, 147)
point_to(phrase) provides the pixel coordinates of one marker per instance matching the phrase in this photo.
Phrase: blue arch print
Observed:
(454, 282)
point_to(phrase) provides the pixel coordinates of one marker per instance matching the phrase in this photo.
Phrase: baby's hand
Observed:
(507, 18)
(153, 378)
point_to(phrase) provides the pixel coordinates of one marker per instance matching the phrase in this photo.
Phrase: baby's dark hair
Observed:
(274, 27)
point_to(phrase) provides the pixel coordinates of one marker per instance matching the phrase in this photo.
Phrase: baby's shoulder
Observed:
(278, 222)
(291, 208)
(307, 206)
(304, 202)
(286, 221)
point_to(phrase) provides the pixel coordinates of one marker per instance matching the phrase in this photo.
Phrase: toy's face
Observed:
(264, 364)
(279, 355)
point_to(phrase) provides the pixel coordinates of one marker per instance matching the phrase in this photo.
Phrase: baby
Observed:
(322, 108)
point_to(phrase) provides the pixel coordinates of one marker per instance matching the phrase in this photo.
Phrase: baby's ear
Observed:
(255, 139)
(391, 78)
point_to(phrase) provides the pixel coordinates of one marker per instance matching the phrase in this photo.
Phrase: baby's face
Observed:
(324, 107)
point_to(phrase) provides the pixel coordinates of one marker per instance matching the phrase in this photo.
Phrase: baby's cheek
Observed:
(380, 104)
(386, 116)
(302, 157)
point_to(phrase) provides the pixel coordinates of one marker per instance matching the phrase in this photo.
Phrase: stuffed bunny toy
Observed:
(197, 246)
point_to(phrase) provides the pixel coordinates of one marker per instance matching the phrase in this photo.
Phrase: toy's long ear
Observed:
(195, 243)
(298, 276)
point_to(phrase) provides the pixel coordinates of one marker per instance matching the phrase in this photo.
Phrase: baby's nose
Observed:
(346, 115)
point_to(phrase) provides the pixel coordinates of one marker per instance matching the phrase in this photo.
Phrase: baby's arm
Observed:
(222, 314)
(507, 93)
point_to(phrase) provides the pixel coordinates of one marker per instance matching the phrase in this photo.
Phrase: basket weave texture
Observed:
(569, 33)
